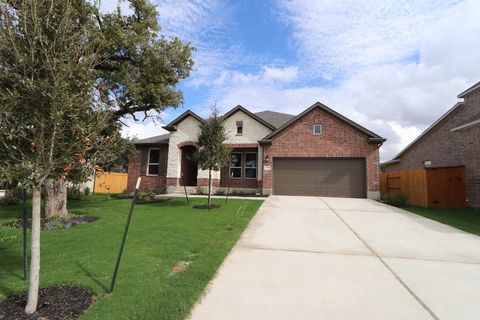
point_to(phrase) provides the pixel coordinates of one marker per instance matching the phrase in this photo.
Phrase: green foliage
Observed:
(86, 191)
(74, 193)
(48, 117)
(397, 200)
(160, 236)
(12, 196)
(212, 154)
(143, 67)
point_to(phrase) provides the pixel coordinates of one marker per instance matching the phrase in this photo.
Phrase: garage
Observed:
(327, 177)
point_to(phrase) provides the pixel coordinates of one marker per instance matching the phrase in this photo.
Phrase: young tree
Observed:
(139, 74)
(212, 154)
(50, 123)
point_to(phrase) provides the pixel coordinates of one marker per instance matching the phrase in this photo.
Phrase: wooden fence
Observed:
(110, 182)
(442, 187)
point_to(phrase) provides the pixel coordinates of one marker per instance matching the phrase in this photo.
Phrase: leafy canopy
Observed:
(212, 153)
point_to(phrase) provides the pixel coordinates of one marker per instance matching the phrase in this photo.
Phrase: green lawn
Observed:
(467, 219)
(160, 235)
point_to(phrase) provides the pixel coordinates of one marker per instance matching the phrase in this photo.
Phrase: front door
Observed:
(189, 167)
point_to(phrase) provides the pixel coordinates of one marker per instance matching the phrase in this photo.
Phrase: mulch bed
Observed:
(206, 206)
(55, 303)
(53, 225)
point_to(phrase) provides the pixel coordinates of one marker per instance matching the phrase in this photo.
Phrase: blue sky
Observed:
(392, 66)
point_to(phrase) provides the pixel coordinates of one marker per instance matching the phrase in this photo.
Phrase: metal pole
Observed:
(124, 237)
(25, 258)
(228, 190)
(185, 189)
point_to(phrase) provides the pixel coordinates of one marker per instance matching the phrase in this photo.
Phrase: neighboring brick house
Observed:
(318, 152)
(452, 140)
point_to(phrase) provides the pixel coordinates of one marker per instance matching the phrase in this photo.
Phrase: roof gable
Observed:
(436, 123)
(374, 138)
(180, 118)
(250, 114)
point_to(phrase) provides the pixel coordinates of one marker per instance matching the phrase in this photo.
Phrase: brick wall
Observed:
(137, 166)
(338, 139)
(471, 159)
(446, 148)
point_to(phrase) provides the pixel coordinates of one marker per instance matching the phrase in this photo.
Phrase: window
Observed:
(153, 167)
(317, 129)
(235, 165)
(239, 128)
(427, 163)
(250, 165)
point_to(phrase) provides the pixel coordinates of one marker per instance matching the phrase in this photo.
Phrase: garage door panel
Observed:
(319, 177)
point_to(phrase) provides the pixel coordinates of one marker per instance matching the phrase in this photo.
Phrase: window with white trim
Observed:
(317, 129)
(153, 166)
(250, 165)
(235, 165)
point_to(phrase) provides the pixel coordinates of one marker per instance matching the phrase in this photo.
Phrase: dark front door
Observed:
(189, 167)
(342, 177)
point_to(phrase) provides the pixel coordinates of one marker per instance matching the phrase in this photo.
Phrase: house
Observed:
(316, 153)
(452, 140)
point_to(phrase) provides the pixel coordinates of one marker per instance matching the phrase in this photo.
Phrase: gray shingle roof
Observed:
(276, 119)
(160, 139)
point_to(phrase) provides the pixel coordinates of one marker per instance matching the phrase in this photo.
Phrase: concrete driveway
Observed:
(336, 258)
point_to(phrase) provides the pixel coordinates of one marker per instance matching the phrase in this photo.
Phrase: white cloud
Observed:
(142, 130)
(268, 75)
(380, 88)
(338, 37)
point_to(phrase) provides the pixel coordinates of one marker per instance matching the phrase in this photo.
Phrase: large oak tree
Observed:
(139, 76)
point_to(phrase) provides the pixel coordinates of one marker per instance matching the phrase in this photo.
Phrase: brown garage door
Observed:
(319, 177)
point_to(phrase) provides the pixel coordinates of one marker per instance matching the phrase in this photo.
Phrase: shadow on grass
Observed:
(92, 277)
(12, 264)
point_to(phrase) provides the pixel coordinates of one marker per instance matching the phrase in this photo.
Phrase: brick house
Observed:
(318, 152)
(452, 140)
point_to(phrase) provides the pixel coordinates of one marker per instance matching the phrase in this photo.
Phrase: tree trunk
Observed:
(209, 187)
(56, 200)
(35, 254)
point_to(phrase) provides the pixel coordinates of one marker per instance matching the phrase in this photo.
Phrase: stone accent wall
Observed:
(446, 148)
(338, 139)
(137, 166)
(252, 129)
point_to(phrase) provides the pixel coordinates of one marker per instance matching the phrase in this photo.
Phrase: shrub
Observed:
(11, 197)
(397, 200)
(73, 193)
(86, 191)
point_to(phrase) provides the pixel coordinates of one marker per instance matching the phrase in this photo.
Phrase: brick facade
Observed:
(446, 148)
(338, 140)
(137, 166)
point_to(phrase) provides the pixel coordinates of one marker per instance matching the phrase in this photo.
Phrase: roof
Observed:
(445, 115)
(277, 119)
(469, 90)
(254, 116)
(374, 138)
(177, 120)
(160, 139)
(468, 123)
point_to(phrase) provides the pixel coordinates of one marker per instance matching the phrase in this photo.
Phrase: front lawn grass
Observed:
(466, 219)
(160, 235)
